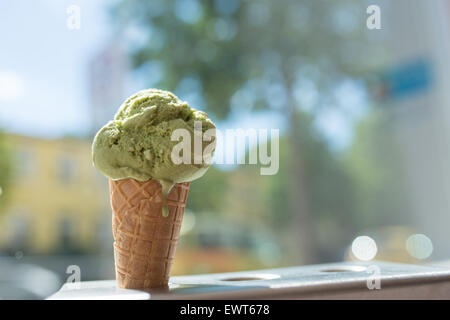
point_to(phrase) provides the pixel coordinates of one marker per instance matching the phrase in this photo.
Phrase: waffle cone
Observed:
(144, 240)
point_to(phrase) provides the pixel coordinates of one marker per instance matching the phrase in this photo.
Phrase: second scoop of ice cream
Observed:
(137, 143)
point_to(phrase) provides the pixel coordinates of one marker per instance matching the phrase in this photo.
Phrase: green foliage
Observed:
(234, 44)
(376, 166)
(331, 194)
(208, 193)
(5, 169)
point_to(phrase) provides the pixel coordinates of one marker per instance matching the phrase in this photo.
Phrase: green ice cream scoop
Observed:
(138, 143)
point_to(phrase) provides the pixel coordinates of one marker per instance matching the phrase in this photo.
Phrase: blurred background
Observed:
(363, 114)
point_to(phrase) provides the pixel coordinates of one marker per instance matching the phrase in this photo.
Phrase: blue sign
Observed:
(407, 79)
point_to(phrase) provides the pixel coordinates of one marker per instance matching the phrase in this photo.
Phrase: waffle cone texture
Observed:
(144, 240)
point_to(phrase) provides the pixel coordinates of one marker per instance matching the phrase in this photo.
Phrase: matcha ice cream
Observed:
(137, 143)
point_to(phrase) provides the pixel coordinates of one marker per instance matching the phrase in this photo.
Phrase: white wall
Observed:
(414, 29)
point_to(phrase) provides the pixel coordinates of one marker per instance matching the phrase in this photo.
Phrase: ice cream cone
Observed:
(145, 240)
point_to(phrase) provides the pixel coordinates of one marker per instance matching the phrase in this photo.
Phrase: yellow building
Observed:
(56, 201)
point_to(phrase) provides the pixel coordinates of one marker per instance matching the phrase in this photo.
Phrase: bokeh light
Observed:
(419, 246)
(364, 248)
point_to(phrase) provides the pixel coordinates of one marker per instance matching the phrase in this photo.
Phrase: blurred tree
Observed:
(376, 166)
(207, 194)
(229, 56)
(5, 168)
(262, 201)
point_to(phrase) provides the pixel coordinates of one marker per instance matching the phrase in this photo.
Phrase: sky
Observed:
(43, 65)
(44, 84)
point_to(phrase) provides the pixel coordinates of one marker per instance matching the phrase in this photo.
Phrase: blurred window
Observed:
(67, 242)
(66, 170)
(19, 229)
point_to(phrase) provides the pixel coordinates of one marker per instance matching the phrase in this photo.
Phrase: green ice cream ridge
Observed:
(137, 143)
